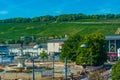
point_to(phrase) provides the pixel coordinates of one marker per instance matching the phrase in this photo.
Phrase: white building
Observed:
(16, 48)
(55, 45)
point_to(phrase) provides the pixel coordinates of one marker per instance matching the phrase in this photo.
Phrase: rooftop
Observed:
(112, 37)
(57, 40)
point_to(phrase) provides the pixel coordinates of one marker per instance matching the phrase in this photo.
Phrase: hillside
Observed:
(15, 30)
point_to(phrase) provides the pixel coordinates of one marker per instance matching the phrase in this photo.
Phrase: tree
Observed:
(116, 71)
(70, 47)
(95, 49)
(43, 55)
(47, 18)
(110, 16)
(36, 19)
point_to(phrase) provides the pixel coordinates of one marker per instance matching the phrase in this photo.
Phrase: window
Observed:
(112, 46)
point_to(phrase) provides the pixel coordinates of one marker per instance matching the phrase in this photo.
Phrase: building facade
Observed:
(4, 49)
(113, 44)
(16, 48)
(4, 53)
(55, 45)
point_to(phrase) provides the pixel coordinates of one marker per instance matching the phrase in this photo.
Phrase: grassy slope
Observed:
(15, 30)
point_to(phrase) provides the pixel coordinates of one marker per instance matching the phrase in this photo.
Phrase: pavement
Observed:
(76, 69)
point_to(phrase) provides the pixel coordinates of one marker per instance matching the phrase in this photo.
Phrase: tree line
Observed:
(61, 18)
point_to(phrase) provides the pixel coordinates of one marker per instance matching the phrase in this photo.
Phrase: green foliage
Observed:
(16, 30)
(43, 55)
(95, 47)
(61, 18)
(36, 19)
(69, 48)
(45, 67)
(116, 71)
(60, 25)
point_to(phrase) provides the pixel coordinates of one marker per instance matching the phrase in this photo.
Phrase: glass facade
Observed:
(107, 45)
(112, 47)
(117, 44)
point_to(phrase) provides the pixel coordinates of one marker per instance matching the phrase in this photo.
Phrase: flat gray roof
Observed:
(106, 37)
(57, 40)
(112, 37)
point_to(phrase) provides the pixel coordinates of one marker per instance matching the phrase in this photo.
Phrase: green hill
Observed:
(15, 30)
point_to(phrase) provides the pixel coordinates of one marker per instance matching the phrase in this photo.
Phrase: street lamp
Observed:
(53, 60)
(85, 46)
(66, 70)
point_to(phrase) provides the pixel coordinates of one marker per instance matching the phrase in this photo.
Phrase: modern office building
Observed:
(4, 49)
(4, 53)
(113, 44)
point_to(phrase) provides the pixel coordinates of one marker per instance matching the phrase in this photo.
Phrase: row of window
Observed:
(113, 45)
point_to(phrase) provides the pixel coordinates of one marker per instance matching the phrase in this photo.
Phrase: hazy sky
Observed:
(33, 8)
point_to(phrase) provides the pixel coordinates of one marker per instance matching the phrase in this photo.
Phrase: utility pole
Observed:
(53, 66)
(91, 60)
(33, 72)
(65, 68)
(71, 76)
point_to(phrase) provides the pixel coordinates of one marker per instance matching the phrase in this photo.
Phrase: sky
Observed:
(35, 8)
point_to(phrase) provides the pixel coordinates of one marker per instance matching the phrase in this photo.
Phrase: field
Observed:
(15, 30)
